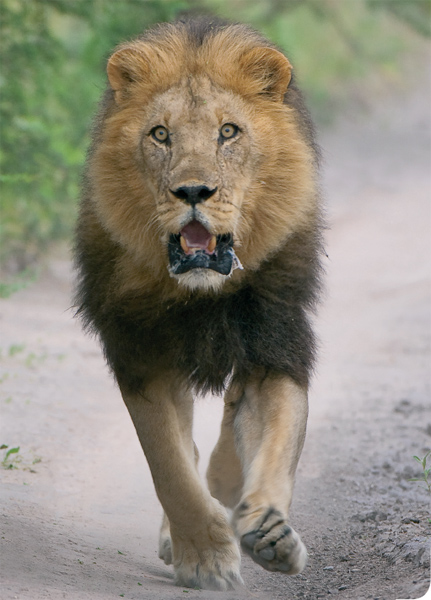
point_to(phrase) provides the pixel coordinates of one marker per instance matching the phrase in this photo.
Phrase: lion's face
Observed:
(195, 176)
(199, 150)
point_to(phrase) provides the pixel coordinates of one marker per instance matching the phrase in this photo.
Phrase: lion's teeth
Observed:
(193, 249)
(184, 244)
(212, 244)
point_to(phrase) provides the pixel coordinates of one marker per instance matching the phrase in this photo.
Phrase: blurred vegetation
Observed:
(53, 55)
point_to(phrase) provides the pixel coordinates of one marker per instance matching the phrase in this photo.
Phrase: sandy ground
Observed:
(79, 516)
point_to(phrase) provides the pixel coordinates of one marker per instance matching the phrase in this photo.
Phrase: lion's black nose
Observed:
(193, 194)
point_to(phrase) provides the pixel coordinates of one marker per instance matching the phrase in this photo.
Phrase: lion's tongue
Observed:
(194, 237)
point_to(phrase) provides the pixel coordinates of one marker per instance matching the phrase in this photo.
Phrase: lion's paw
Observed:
(274, 545)
(209, 569)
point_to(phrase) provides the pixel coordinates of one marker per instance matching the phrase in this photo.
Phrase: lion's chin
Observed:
(204, 280)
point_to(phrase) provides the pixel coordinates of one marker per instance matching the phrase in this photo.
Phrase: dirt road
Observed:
(79, 514)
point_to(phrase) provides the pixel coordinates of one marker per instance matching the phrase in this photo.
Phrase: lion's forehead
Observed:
(196, 102)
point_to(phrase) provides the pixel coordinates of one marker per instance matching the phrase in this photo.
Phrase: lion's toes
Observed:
(211, 569)
(215, 578)
(274, 545)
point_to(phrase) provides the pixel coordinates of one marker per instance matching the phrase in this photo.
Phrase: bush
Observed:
(52, 77)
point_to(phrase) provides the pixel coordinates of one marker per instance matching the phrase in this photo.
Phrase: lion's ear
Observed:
(270, 69)
(127, 65)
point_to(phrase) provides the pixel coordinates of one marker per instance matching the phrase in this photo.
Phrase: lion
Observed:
(198, 251)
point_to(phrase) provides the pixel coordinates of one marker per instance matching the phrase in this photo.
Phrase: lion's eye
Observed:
(228, 131)
(160, 134)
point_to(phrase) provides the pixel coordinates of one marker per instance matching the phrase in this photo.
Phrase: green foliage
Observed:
(416, 13)
(39, 156)
(53, 55)
(52, 76)
(336, 46)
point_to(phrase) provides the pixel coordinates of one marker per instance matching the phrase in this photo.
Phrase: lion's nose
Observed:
(193, 194)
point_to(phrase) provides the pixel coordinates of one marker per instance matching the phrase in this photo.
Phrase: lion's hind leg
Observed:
(224, 474)
(165, 542)
(270, 429)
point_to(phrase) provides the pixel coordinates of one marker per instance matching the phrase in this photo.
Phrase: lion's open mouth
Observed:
(194, 247)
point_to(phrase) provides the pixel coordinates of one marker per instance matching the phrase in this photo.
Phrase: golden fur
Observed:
(160, 132)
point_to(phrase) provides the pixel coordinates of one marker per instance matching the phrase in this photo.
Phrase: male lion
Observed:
(198, 250)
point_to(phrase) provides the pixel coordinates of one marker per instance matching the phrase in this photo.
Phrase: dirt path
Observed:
(79, 514)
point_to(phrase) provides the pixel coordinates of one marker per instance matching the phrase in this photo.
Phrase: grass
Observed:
(426, 472)
(8, 462)
(30, 360)
(12, 458)
(15, 349)
(33, 359)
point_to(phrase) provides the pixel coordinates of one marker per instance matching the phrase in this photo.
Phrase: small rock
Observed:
(375, 515)
(328, 568)
(342, 587)
(410, 520)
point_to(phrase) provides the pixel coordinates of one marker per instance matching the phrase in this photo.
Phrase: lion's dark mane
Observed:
(208, 338)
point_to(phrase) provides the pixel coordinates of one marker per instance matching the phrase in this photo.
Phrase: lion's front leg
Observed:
(185, 415)
(270, 427)
(204, 550)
